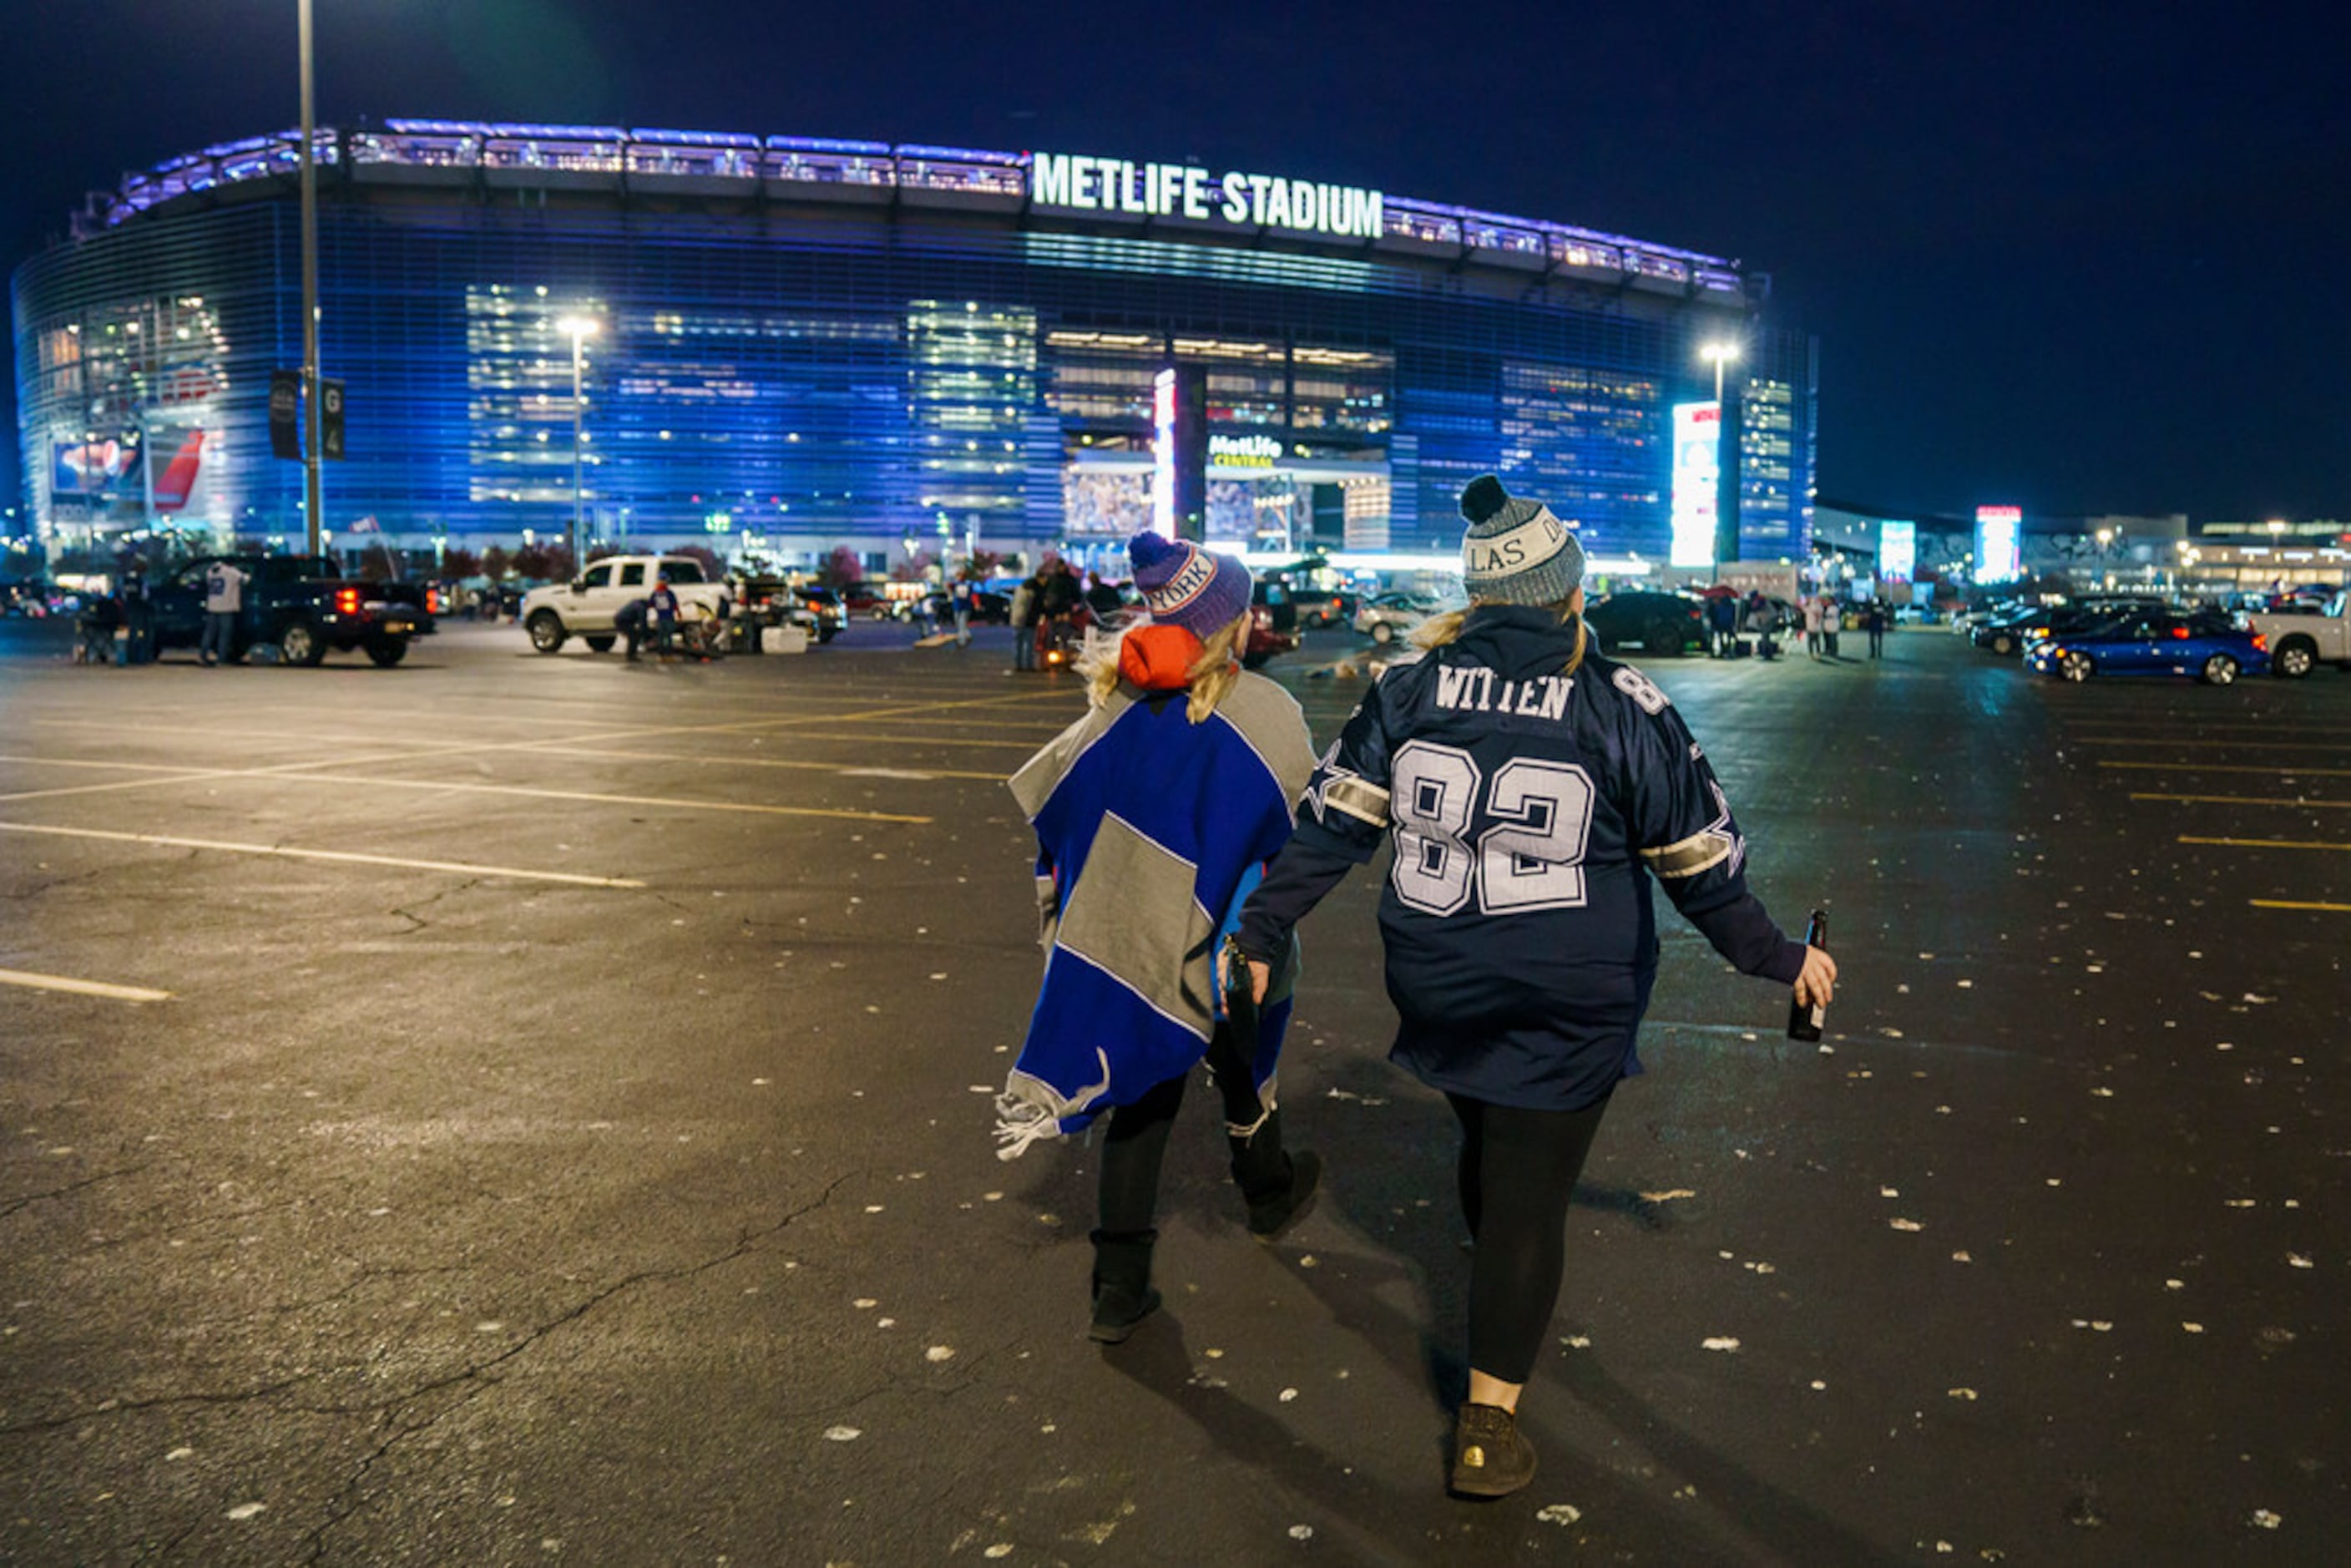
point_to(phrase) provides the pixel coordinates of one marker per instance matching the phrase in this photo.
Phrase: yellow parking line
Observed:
(2248, 800)
(2284, 904)
(82, 987)
(2263, 843)
(463, 867)
(670, 802)
(2231, 768)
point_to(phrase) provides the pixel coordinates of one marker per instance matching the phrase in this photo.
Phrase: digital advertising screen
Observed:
(1897, 551)
(1999, 538)
(1698, 479)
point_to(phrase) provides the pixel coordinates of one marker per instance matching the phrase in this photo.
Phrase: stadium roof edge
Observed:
(594, 148)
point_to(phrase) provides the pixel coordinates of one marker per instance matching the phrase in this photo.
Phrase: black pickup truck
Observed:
(303, 604)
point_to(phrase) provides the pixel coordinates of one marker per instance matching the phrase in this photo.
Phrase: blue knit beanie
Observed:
(1183, 585)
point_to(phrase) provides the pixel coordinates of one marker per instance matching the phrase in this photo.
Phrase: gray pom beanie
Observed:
(1515, 551)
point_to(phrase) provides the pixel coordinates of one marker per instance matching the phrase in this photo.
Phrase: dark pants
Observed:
(219, 640)
(1877, 641)
(1518, 1171)
(1137, 1140)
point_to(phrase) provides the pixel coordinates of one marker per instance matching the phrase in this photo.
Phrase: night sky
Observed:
(2084, 258)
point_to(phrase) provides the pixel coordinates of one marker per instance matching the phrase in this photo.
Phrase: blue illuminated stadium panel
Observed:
(805, 342)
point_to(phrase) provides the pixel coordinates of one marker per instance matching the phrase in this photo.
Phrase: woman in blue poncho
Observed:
(1155, 814)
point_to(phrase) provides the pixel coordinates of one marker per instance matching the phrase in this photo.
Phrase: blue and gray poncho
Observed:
(1150, 830)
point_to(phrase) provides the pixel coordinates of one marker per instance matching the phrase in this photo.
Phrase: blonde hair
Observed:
(1439, 629)
(1212, 675)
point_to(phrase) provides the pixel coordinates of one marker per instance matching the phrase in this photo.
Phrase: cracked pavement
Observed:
(456, 1214)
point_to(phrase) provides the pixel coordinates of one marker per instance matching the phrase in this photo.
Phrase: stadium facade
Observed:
(799, 344)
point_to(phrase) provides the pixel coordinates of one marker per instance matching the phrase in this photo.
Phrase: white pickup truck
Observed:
(585, 607)
(2298, 643)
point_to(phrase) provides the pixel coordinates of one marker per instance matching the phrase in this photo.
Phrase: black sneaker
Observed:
(1491, 1457)
(1118, 1313)
(1271, 1216)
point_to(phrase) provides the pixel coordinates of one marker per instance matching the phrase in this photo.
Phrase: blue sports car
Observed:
(2205, 644)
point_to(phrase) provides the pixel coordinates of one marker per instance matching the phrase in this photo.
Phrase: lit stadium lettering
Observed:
(1172, 190)
(1244, 451)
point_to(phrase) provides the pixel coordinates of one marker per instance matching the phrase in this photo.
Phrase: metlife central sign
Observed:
(1083, 184)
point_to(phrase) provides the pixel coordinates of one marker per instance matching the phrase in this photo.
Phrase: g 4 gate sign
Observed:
(1175, 190)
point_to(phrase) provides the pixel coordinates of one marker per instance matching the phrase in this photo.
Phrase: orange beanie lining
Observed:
(1158, 658)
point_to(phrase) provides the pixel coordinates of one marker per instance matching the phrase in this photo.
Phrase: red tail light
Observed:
(2261, 643)
(347, 600)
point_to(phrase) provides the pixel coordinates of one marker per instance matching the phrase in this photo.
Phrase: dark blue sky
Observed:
(2087, 259)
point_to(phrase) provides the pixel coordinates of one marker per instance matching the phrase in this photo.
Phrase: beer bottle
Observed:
(1804, 1020)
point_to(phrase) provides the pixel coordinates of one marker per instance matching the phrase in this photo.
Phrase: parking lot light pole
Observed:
(1725, 505)
(578, 329)
(310, 500)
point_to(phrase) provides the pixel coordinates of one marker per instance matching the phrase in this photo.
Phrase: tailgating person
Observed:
(1533, 789)
(1832, 622)
(960, 596)
(1057, 601)
(224, 594)
(661, 609)
(1722, 617)
(628, 620)
(1154, 813)
(95, 623)
(1811, 605)
(1024, 625)
(1873, 621)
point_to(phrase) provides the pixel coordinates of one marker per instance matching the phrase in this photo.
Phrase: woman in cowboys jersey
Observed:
(1533, 789)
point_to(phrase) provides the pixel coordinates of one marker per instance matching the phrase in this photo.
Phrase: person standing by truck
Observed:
(224, 596)
(1533, 789)
(660, 605)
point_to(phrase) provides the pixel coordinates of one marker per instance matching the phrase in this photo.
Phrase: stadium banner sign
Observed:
(1083, 185)
(1999, 555)
(1698, 481)
(1897, 551)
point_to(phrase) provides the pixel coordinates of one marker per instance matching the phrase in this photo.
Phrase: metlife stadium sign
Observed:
(1082, 184)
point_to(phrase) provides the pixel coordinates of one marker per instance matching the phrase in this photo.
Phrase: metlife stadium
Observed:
(798, 344)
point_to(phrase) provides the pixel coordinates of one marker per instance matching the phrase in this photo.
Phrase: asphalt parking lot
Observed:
(510, 1109)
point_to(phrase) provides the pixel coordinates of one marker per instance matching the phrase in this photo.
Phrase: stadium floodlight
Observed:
(1720, 354)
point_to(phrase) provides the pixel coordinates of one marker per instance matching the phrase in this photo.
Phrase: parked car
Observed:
(306, 605)
(1319, 609)
(832, 614)
(2299, 642)
(2206, 643)
(765, 601)
(1384, 617)
(1663, 624)
(585, 606)
(2085, 615)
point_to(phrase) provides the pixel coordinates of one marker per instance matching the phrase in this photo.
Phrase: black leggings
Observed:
(1518, 1170)
(1137, 1139)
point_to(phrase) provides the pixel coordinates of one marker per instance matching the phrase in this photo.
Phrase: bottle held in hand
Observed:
(1805, 1019)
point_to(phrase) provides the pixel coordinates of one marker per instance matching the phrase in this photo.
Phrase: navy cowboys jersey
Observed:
(1529, 810)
